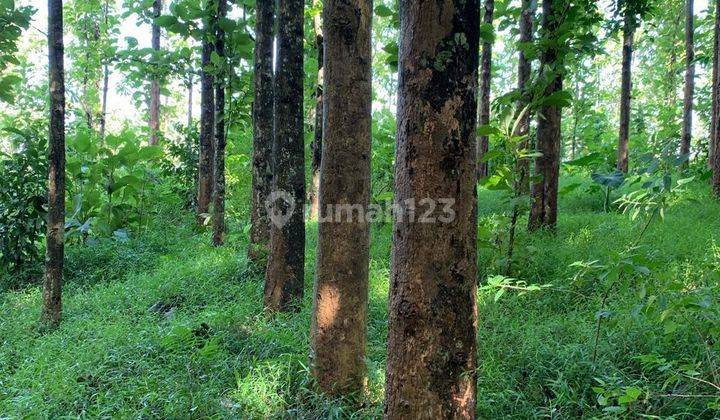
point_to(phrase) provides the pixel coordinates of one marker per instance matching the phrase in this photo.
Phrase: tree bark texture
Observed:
(715, 140)
(686, 136)
(207, 126)
(544, 192)
(55, 252)
(527, 18)
(431, 363)
(485, 78)
(262, 130)
(154, 123)
(220, 135)
(317, 142)
(625, 94)
(285, 274)
(339, 319)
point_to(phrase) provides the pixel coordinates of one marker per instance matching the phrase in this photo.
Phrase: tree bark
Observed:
(154, 123)
(524, 72)
(106, 79)
(339, 319)
(285, 274)
(220, 135)
(713, 143)
(317, 142)
(55, 252)
(686, 137)
(485, 76)
(543, 213)
(207, 125)
(625, 94)
(262, 130)
(432, 320)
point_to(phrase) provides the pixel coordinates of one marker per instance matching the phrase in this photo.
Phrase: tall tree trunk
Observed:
(106, 78)
(485, 76)
(220, 135)
(715, 140)
(262, 130)
(155, 83)
(55, 252)
(547, 167)
(207, 125)
(713, 143)
(527, 18)
(686, 137)
(190, 85)
(285, 274)
(625, 94)
(339, 319)
(432, 320)
(316, 146)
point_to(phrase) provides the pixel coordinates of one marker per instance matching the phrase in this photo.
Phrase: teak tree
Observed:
(285, 273)
(339, 317)
(220, 132)
(485, 84)
(316, 145)
(431, 358)
(686, 135)
(207, 117)
(715, 132)
(55, 239)
(154, 123)
(263, 119)
(526, 24)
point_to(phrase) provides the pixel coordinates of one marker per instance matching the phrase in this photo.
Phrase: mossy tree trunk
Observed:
(220, 134)
(527, 18)
(686, 136)
(485, 79)
(625, 94)
(262, 130)
(207, 123)
(55, 239)
(431, 363)
(285, 274)
(339, 319)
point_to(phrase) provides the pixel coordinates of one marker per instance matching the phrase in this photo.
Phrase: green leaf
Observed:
(166, 21)
(383, 11)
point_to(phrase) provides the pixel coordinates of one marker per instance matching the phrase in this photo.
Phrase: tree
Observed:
(547, 167)
(431, 363)
(154, 123)
(262, 129)
(339, 319)
(207, 118)
(686, 136)
(220, 132)
(316, 146)
(55, 239)
(285, 274)
(527, 18)
(715, 132)
(485, 78)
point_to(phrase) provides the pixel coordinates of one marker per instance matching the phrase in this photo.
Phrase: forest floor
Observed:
(167, 326)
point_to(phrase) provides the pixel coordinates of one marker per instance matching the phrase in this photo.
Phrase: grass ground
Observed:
(166, 326)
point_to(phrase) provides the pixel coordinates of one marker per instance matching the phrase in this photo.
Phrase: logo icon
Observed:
(280, 206)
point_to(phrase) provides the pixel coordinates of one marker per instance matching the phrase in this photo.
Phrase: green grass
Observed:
(167, 326)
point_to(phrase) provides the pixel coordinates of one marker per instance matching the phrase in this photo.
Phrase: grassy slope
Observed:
(167, 326)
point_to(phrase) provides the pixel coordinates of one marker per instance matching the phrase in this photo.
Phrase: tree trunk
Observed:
(339, 320)
(220, 135)
(625, 94)
(713, 143)
(316, 146)
(52, 284)
(431, 363)
(715, 139)
(524, 72)
(547, 167)
(155, 83)
(262, 130)
(106, 78)
(207, 125)
(285, 274)
(686, 137)
(485, 76)
(190, 86)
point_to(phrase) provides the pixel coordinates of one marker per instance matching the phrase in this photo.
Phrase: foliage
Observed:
(13, 20)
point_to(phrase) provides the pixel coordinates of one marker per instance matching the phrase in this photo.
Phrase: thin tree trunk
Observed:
(339, 319)
(686, 137)
(625, 94)
(715, 140)
(207, 125)
(285, 274)
(547, 167)
(262, 130)
(485, 76)
(190, 86)
(154, 123)
(316, 146)
(527, 18)
(432, 320)
(52, 284)
(106, 80)
(713, 143)
(220, 135)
